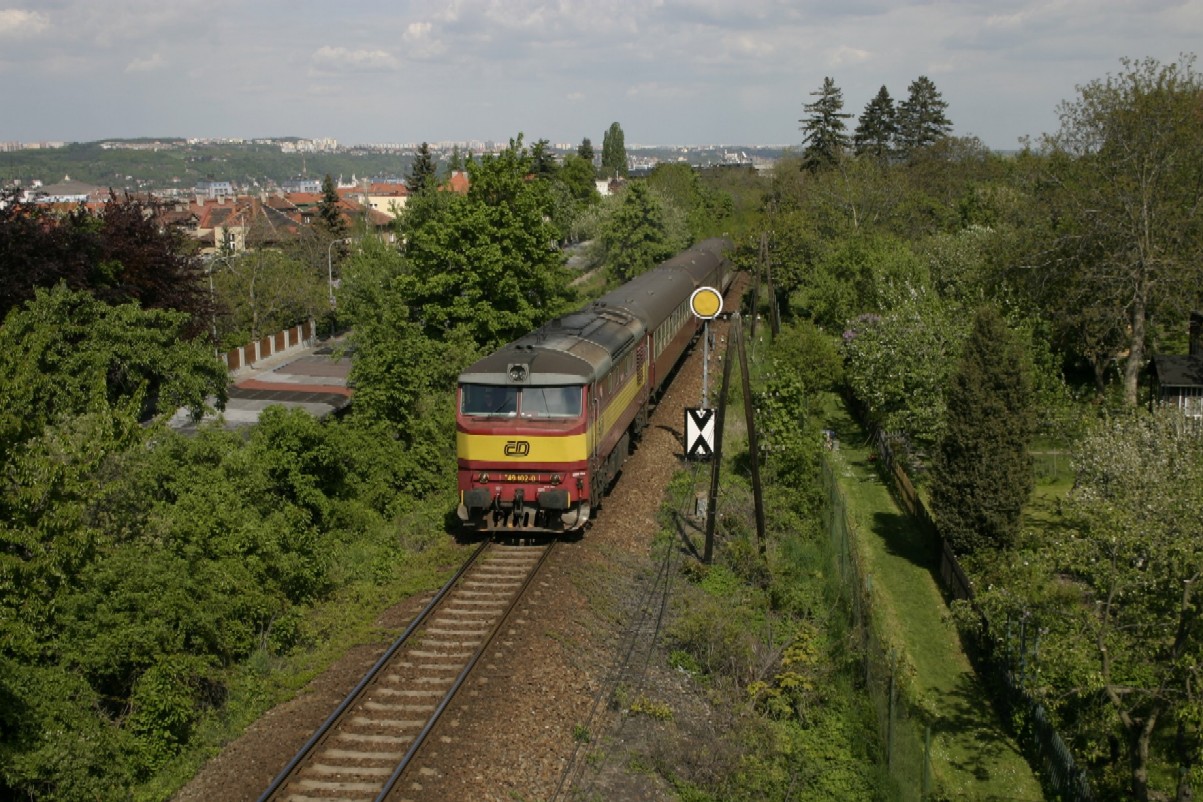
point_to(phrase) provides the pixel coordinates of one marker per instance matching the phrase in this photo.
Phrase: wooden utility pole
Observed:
(753, 440)
(716, 460)
(734, 334)
(756, 287)
(774, 314)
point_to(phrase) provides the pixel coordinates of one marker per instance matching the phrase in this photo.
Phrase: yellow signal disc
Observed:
(706, 302)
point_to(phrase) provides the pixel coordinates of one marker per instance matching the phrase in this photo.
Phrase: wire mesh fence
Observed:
(1000, 651)
(902, 726)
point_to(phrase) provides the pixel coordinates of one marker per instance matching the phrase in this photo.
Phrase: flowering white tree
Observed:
(1115, 592)
(898, 362)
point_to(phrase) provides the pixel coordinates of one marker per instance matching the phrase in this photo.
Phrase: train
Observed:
(544, 423)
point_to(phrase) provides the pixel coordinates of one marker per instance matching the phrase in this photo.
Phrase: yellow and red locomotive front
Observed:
(523, 457)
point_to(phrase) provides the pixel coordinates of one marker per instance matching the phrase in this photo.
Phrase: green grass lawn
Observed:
(972, 756)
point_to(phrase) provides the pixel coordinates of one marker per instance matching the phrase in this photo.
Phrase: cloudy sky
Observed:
(668, 71)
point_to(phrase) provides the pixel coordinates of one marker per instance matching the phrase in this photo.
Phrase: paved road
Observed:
(313, 378)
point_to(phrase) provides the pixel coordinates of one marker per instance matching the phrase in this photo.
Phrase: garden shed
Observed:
(1177, 379)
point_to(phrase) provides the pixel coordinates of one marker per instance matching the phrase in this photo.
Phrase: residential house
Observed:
(1178, 380)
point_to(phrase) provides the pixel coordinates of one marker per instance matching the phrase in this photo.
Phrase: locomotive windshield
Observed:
(488, 399)
(529, 402)
(551, 402)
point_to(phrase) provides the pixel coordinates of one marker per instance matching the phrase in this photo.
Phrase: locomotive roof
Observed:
(576, 348)
(582, 346)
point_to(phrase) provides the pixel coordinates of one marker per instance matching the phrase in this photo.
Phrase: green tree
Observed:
(982, 473)
(585, 151)
(65, 352)
(576, 174)
(120, 254)
(329, 211)
(1128, 177)
(485, 262)
(922, 119)
(705, 210)
(263, 291)
(423, 172)
(855, 275)
(824, 132)
(635, 238)
(401, 370)
(572, 192)
(877, 127)
(614, 153)
(898, 363)
(1138, 499)
(1114, 594)
(802, 362)
(543, 161)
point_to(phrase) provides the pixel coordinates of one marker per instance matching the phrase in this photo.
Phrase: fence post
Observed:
(890, 720)
(926, 788)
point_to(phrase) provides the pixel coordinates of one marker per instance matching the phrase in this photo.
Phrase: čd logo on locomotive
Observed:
(517, 448)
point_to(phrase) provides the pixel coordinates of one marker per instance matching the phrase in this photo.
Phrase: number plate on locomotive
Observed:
(521, 477)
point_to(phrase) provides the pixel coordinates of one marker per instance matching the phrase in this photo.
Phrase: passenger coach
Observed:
(544, 423)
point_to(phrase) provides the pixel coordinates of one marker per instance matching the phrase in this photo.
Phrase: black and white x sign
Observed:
(699, 433)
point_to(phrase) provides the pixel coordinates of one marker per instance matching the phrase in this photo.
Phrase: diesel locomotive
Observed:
(544, 423)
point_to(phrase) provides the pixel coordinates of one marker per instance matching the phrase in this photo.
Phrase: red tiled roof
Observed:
(458, 182)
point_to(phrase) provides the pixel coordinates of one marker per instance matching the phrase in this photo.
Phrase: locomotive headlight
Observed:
(483, 478)
(556, 478)
(517, 373)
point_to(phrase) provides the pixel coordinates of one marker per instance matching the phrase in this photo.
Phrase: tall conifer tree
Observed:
(329, 210)
(982, 473)
(877, 127)
(614, 153)
(585, 150)
(423, 171)
(824, 131)
(922, 121)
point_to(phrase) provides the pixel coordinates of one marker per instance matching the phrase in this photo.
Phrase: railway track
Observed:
(366, 747)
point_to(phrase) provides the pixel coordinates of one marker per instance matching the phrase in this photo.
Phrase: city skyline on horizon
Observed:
(677, 71)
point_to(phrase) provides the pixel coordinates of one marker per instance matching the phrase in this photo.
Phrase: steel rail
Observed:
(363, 683)
(459, 681)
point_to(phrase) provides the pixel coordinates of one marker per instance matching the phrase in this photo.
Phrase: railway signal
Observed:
(699, 433)
(706, 303)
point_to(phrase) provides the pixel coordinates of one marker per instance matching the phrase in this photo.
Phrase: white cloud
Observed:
(340, 59)
(16, 22)
(150, 64)
(844, 55)
(421, 42)
(747, 45)
(660, 91)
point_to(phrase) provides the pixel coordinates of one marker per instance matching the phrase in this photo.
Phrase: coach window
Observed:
(551, 402)
(488, 399)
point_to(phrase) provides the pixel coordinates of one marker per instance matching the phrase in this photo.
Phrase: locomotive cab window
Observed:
(551, 402)
(487, 399)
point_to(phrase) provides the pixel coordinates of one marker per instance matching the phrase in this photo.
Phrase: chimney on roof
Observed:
(1196, 334)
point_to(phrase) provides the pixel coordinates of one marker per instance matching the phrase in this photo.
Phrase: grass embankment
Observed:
(972, 755)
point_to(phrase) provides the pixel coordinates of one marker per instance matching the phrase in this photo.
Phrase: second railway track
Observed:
(367, 746)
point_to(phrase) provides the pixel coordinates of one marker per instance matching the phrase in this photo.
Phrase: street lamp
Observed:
(330, 278)
(330, 265)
